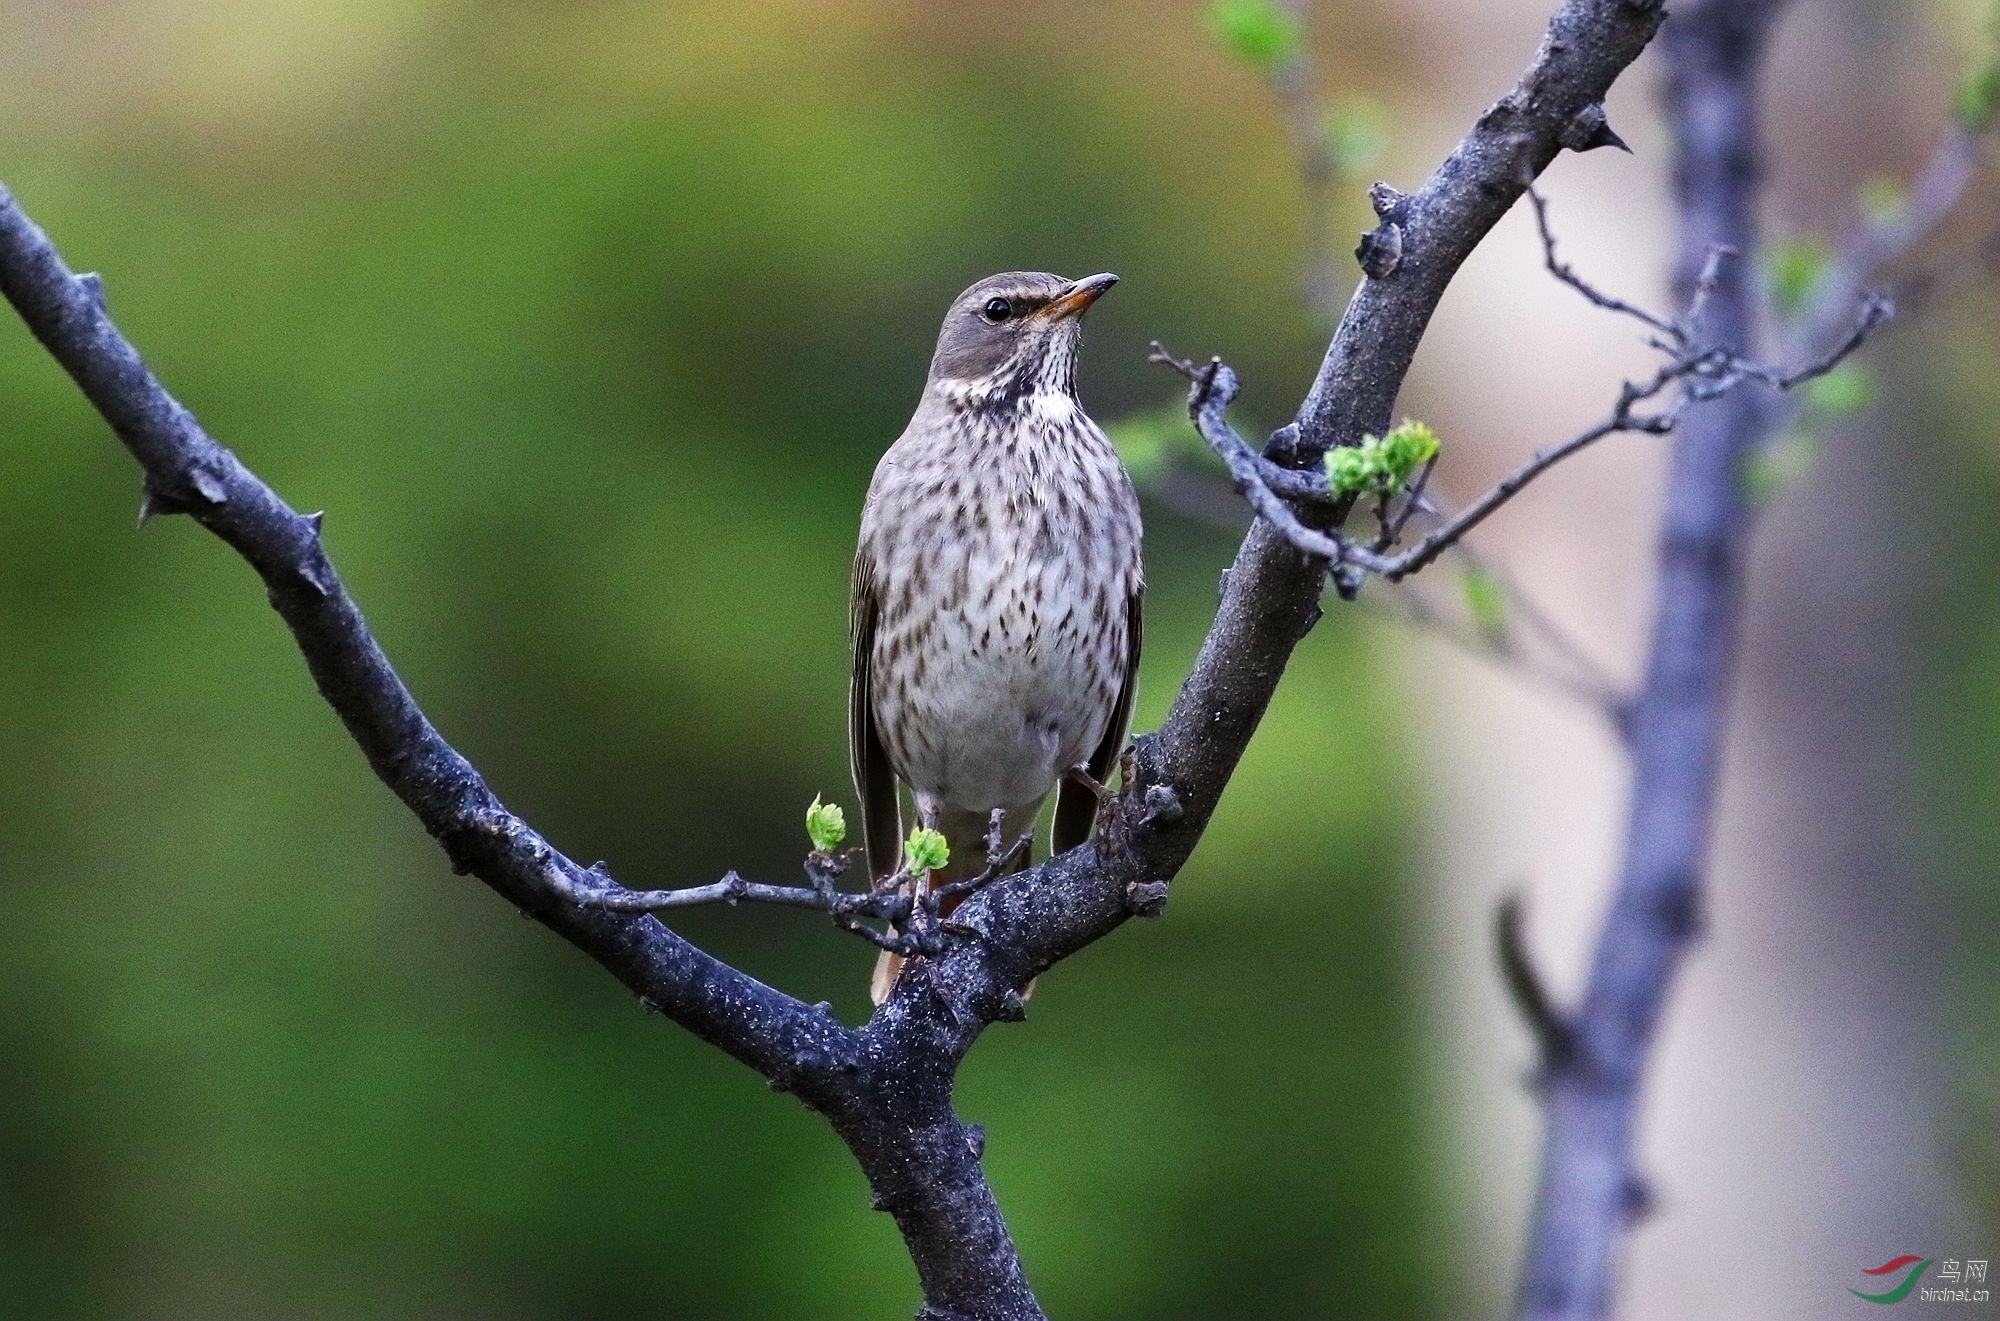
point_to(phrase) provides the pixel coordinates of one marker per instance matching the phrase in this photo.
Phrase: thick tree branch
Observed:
(1714, 51)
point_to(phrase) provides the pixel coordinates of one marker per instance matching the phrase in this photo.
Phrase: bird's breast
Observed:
(1001, 641)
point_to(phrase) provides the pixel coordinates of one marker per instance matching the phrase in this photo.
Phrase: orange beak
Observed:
(1078, 297)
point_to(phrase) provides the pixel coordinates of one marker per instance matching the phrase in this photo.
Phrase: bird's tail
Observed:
(966, 841)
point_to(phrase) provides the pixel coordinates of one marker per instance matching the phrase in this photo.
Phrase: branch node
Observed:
(1677, 909)
(975, 1140)
(208, 485)
(92, 285)
(1146, 898)
(1012, 1009)
(1282, 446)
(1637, 1199)
(1163, 806)
(1380, 251)
(1390, 202)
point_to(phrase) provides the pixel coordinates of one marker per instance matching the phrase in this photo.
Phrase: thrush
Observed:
(996, 595)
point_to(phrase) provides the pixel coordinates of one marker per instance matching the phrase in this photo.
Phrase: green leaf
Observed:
(826, 825)
(1848, 388)
(1406, 448)
(1382, 463)
(1978, 98)
(1485, 601)
(1798, 264)
(1357, 131)
(925, 850)
(1884, 199)
(1351, 468)
(1262, 33)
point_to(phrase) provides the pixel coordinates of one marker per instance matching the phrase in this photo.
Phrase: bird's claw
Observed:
(1081, 775)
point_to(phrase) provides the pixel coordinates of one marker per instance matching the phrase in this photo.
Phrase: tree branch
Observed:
(1714, 51)
(1702, 373)
(886, 1088)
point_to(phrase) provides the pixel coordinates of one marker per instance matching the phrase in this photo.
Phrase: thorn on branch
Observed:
(1554, 1036)
(1590, 130)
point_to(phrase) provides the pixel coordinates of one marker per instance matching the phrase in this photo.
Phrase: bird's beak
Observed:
(1074, 300)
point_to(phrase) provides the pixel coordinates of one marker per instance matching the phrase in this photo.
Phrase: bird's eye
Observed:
(997, 310)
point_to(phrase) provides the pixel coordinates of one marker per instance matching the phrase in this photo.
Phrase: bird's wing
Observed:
(874, 781)
(1076, 806)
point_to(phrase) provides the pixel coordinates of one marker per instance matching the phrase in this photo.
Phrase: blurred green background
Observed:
(586, 324)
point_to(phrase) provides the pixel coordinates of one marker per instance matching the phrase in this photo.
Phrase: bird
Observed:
(995, 614)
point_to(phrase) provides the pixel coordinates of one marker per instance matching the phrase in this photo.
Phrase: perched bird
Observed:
(996, 593)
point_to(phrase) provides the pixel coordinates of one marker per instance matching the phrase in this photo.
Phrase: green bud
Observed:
(1351, 468)
(1977, 101)
(826, 825)
(1381, 463)
(1848, 388)
(925, 850)
(1485, 601)
(1356, 132)
(1407, 448)
(1798, 264)
(1262, 33)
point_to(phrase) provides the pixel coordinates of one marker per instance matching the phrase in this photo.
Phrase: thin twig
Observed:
(1567, 274)
(1702, 373)
(1554, 1037)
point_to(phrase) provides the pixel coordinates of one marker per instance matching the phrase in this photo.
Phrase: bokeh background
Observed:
(586, 324)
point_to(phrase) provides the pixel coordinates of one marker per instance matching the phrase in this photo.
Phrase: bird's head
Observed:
(1014, 336)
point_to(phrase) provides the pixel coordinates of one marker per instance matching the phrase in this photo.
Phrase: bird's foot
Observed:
(1081, 775)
